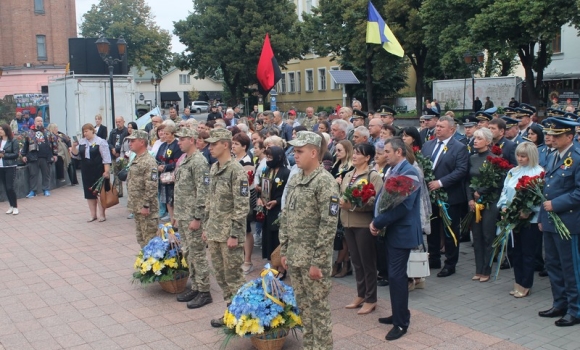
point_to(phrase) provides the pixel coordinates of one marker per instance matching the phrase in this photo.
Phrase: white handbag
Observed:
(418, 264)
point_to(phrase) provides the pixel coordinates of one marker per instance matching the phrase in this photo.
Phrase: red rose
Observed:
(416, 149)
(356, 193)
(496, 150)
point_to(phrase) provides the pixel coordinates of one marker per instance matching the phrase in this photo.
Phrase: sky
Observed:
(163, 14)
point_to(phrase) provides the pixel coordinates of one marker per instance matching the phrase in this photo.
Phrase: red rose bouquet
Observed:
(359, 194)
(397, 188)
(496, 150)
(250, 177)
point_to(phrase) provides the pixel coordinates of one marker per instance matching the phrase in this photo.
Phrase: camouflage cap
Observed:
(138, 134)
(216, 135)
(304, 138)
(187, 132)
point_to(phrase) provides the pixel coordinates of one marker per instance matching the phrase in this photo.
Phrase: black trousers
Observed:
(398, 285)
(382, 266)
(59, 168)
(7, 177)
(434, 239)
(42, 165)
(526, 243)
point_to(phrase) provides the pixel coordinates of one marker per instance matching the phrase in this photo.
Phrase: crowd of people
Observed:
(213, 179)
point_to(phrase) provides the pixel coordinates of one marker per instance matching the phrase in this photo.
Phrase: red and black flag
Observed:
(268, 71)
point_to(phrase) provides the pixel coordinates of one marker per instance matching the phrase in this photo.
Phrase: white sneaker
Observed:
(15, 211)
(9, 211)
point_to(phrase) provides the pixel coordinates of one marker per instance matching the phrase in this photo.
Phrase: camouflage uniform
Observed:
(308, 228)
(191, 187)
(226, 208)
(142, 188)
(309, 123)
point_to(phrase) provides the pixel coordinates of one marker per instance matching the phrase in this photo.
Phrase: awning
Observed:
(170, 96)
(210, 95)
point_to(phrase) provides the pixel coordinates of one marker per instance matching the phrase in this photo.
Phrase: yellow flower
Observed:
(444, 149)
(277, 321)
(145, 267)
(169, 153)
(157, 267)
(295, 318)
(183, 262)
(229, 319)
(171, 263)
(568, 162)
(362, 182)
(138, 263)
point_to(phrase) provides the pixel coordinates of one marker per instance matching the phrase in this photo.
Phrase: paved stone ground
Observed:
(65, 283)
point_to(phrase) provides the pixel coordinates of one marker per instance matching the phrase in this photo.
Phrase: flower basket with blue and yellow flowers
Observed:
(161, 260)
(263, 309)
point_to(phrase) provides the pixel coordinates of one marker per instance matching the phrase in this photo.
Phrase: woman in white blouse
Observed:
(528, 239)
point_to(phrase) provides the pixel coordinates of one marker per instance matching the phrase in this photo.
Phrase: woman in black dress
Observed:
(95, 158)
(167, 156)
(272, 182)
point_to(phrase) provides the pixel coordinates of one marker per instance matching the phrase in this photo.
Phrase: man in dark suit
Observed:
(508, 148)
(450, 165)
(428, 131)
(100, 129)
(562, 191)
(403, 233)
(285, 129)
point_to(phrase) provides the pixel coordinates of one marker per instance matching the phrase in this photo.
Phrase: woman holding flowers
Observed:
(484, 226)
(95, 158)
(342, 165)
(167, 156)
(528, 237)
(356, 216)
(412, 138)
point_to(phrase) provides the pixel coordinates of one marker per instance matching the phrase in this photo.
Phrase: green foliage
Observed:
(147, 44)
(338, 27)
(7, 111)
(229, 35)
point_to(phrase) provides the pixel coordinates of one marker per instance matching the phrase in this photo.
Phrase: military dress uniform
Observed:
(385, 111)
(226, 208)
(307, 230)
(142, 180)
(562, 188)
(191, 188)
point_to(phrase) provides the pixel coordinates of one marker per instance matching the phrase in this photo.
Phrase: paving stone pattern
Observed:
(66, 284)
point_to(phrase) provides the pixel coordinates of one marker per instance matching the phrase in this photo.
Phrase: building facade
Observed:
(34, 43)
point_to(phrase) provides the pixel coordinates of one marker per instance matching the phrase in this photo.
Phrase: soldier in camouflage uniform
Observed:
(310, 119)
(142, 188)
(191, 187)
(226, 208)
(307, 231)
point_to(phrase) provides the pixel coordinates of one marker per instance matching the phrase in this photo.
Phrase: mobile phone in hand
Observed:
(75, 139)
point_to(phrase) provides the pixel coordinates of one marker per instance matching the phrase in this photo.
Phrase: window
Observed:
(38, 6)
(309, 6)
(333, 85)
(184, 79)
(291, 82)
(321, 78)
(282, 84)
(41, 47)
(298, 81)
(309, 80)
(557, 43)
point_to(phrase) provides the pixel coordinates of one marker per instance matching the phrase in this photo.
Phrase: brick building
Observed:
(34, 43)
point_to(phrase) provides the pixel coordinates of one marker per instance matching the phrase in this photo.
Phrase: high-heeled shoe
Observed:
(476, 278)
(335, 268)
(484, 279)
(522, 293)
(367, 308)
(517, 287)
(345, 270)
(356, 303)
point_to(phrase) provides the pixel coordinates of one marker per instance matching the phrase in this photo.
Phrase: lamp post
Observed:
(156, 82)
(103, 47)
(473, 62)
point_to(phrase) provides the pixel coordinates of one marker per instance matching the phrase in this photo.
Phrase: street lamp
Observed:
(156, 82)
(473, 62)
(103, 47)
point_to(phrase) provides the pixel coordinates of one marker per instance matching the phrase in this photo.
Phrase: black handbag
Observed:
(122, 175)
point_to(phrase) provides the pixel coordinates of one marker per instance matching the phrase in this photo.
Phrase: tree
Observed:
(338, 28)
(525, 26)
(228, 36)
(147, 45)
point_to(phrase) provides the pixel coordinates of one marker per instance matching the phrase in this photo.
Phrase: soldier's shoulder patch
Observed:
(244, 188)
(154, 174)
(333, 208)
(206, 178)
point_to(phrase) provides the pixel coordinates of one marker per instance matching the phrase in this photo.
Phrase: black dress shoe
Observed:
(396, 333)
(386, 320)
(446, 271)
(567, 321)
(543, 273)
(505, 265)
(188, 295)
(382, 282)
(217, 322)
(553, 312)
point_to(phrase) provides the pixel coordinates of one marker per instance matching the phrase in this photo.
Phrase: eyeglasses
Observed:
(422, 121)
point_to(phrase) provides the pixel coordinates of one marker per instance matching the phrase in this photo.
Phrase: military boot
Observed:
(202, 299)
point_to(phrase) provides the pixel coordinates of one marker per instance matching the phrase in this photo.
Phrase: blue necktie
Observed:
(434, 155)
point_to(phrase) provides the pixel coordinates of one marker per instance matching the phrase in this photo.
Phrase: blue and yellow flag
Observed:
(378, 32)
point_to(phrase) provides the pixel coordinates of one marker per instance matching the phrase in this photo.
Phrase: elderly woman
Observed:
(167, 156)
(95, 157)
(356, 221)
(483, 231)
(528, 239)
(63, 159)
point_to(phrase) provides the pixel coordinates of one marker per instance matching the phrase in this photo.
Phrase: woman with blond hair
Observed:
(528, 239)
